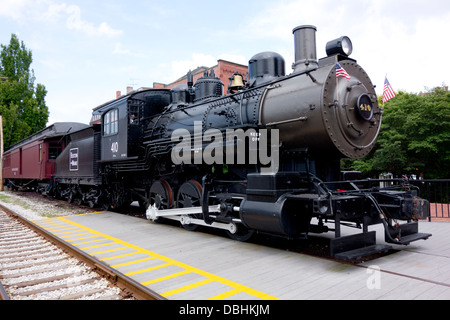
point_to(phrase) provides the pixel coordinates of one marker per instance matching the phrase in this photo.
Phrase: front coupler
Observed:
(387, 207)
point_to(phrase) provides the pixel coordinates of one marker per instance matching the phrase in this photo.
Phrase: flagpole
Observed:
(337, 90)
(340, 72)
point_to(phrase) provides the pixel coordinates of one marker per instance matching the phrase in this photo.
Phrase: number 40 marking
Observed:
(115, 147)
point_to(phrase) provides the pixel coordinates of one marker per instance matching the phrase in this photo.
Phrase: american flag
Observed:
(388, 92)
(340, 72)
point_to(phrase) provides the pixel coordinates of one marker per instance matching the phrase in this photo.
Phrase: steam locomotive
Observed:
(263, 158)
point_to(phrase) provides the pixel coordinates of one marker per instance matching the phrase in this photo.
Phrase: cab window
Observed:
(111, 122)
(133, 115)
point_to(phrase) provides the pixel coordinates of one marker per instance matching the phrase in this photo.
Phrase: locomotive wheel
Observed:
(70, 197)
(161, 195)
(190, 195)
(242, 233)
(103, 200)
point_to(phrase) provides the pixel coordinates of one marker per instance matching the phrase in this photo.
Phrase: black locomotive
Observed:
(263, 158)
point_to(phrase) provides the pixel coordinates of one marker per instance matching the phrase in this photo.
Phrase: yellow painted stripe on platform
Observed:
(76, 235)
(170, 276)
(236, 286)
(55, 226)
(90, 241)
(99, 245)
(71, 215)
(148, 269)
(225, 295)
(43, 219)
(51, 223)
(131, 262)
(67, 232)
(120, 256)
(82, 214)
(63, 229)
(46, 221)
(187, 287)
(73, 231)
(82, 238)
(107, 251)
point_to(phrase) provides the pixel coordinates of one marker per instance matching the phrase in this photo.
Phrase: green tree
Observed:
(414, 137)
(22, 104)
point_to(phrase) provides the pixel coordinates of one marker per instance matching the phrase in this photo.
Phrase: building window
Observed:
(111, 122)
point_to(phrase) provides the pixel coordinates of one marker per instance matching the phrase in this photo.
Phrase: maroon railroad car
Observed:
(30, 163)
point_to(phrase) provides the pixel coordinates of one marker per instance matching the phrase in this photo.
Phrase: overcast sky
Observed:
(84, 51)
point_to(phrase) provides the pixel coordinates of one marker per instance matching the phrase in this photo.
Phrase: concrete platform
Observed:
(184, 265)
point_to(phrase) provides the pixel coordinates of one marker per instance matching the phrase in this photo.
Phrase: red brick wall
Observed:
(223, 70)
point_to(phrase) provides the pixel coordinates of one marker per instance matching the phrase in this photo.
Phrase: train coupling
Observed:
(413, 208)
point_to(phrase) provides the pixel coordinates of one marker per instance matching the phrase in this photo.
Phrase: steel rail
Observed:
(117, 278)
(3, 293)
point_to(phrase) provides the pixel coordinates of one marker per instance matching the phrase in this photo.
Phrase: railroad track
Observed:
(36, 266)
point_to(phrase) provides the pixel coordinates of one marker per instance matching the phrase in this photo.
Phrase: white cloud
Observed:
(118, 49)
(13, 8)
(50, 11)
(393, 37)
(75, 22)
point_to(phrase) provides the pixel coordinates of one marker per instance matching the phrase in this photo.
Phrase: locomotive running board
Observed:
(356, 246)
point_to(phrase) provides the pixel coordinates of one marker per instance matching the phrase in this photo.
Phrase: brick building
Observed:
(223, 70)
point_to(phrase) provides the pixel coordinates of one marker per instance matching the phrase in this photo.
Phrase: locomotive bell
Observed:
(236, 82)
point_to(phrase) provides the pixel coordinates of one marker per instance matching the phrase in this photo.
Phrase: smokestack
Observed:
(118, 94)
(305, 48)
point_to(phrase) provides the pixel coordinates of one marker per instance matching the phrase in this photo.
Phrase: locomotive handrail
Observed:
(286, 121)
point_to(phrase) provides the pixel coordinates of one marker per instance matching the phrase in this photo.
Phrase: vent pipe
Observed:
(305, 48)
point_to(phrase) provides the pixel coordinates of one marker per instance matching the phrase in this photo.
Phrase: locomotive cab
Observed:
(114, 121)
(124, 120)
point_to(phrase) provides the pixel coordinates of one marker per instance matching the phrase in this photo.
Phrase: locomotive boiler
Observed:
(263, 158)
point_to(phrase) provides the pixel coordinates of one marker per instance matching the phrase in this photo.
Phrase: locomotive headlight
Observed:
(342, 45)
